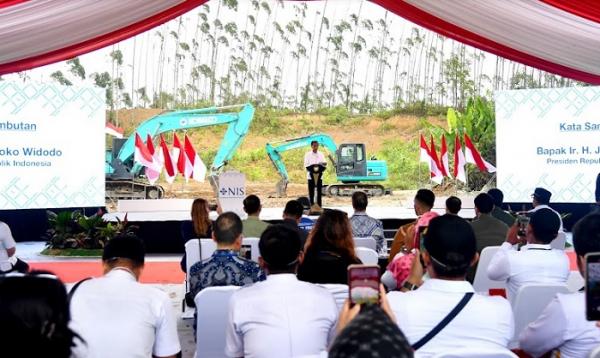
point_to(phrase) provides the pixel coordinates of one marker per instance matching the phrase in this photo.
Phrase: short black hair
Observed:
(251, 204)
(484, 203)
(227, 228)
(451, 244)
(305, 201)
(293, 208)
(586, 234)
(279, 247)
(545, 224)
(426, 197)
(128, 247)
(497, 195)
(360, 200)
(453, 204)
(312, 142)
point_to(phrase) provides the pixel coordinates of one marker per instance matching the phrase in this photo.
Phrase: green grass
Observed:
(404, 169)
(72, 252)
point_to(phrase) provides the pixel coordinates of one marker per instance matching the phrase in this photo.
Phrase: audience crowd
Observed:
(288, 305)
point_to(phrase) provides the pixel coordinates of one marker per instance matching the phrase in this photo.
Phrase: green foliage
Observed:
(60, 78)
(404, 169)
(76, 68)
(335, 115)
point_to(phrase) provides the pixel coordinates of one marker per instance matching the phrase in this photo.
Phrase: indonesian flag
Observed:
(472, 156)
(178, 155)
(437, 176)
(152, 174)
(198, 168)
(170, 172)
(113, 130)
(444, 158)
(142, 154)
(459, 161)
(425, 157)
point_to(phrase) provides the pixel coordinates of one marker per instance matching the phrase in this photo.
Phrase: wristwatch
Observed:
(409, 286)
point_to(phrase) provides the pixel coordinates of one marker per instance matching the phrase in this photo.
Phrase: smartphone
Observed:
(523, 221)
(246, 252)
(592, 286)
(363, 284)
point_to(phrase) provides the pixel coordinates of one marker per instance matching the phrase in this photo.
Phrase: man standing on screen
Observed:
(314, 162)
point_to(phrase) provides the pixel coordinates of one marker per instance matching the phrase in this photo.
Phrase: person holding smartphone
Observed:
(563, 324)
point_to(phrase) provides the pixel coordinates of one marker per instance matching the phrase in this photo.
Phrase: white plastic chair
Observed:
(476, 353)
(481, 282)
(559, 242)
(368, 242)
(529, 302)
(595, 353)
(367, 256)
(193, 248)
(339, 291)
(253, 243)
(212, 304)
(575, 281)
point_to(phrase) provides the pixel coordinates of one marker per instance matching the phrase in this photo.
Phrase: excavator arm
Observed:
(275, 149)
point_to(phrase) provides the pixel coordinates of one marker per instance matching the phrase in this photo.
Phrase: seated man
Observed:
(488, 230)
(363, 225)
(306, 223)
(498, 212)
(225, 267)
(253, 226)
(541, 200)
(484, 322)
(292, 214)
(116, 316)
(453, 205)
(8, 249)
(563, 324)
(280, 317)
(536, 262)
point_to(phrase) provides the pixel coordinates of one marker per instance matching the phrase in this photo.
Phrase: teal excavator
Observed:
(349, 161)
(123, 175)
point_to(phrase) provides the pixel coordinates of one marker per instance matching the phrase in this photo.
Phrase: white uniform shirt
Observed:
(547, 207)
(562, 325)
(280, 317)
(485, 322)
(311, 158)
(119, 317)
(6, 242)
(533, 264)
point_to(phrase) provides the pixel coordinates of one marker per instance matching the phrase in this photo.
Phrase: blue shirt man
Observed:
(363, 225)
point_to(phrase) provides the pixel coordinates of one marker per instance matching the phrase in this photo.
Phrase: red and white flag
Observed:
(424, 156)
(198, 167)
(113, 130)
(472, 156)
(178, 155)
(152, 174)
(437, 176)
(444, 158)
(170, 172)
(142, 154)
(459, 161)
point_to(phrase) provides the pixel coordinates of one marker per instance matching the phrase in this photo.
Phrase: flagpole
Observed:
(419, 161)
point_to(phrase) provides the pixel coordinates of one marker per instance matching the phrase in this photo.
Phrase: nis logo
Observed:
(232, 192)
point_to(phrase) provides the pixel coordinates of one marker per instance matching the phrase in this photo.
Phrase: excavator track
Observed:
(132, 189)
(334, 190)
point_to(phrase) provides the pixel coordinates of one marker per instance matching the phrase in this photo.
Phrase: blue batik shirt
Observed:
(224, 268)
(364, 226)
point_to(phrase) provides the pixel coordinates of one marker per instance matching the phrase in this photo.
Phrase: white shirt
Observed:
(311, 158)
(535, 263)
(120, 317)
(486, 322)
(6, 242)
(562, 325)
(280, 317)
(543, 206)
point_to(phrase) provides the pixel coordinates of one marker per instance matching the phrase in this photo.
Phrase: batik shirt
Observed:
(364, 226)
(224, 268)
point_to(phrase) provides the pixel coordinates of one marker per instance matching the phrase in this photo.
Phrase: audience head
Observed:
(450, 247)
(280, 249)
(541, 196)
(333, 232)
(293, 210)
(124, 251)
(424, 200)
(305, 201)
(497, 195)
(314, 145)
(484, 203)
(34, 312)
(252, 205)
(453, 205)
(227, 231)
(200, 219)
(586, 238)
(371, 334)
(543, 226)
(359, 201)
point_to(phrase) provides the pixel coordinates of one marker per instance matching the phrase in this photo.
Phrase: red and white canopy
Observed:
(558, 36)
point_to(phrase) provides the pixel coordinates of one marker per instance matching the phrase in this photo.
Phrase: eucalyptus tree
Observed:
(357, 45)
(59, 77)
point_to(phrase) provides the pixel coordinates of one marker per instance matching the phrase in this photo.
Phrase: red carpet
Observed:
(73, 271)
